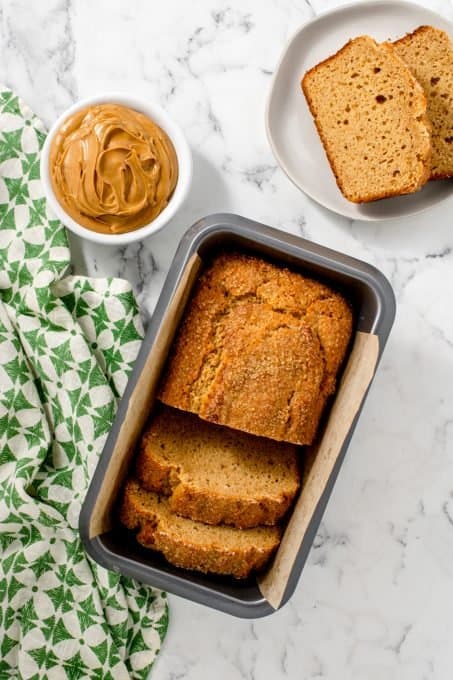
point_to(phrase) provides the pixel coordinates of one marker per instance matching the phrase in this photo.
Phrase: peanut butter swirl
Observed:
(112, 168)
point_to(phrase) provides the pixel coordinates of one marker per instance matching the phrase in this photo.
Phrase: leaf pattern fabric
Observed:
(67, 346)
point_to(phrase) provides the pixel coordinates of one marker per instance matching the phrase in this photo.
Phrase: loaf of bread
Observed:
(193, 545)
(370, 113)
(258, 349)
(428, 52)
(214, 474)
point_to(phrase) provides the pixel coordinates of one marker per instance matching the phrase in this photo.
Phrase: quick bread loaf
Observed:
(258, 349)
(428, 52)
(194, 545)
(214, 474)
(370, 113)
(254, 361)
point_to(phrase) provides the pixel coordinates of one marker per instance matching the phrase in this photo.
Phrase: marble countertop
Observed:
(375, 598)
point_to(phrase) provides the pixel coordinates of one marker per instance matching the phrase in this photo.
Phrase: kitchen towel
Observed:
(67, 346)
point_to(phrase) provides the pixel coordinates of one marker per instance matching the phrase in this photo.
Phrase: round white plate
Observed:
(290, 128)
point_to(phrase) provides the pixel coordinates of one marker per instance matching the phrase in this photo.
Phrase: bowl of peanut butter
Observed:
(115, 168)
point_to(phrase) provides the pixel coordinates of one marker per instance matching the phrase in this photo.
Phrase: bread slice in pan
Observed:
(214, 474)
(193, 545)
(370, 113)
(428, 52)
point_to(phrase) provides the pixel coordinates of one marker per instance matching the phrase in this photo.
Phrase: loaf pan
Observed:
(373, 304)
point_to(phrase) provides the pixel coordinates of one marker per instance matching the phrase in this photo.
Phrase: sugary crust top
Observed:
(258, 349)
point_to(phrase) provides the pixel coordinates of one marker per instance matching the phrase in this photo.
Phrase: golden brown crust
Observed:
(192, 545)
(420, 123)
(216, 475)
(428, 52)
(254, 351)
(406, 39)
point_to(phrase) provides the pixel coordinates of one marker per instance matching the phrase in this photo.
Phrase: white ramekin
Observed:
(183, 154)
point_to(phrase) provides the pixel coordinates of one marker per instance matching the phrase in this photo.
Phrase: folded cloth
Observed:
(67, 346)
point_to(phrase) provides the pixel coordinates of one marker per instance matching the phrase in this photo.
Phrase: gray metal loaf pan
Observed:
(112, 546)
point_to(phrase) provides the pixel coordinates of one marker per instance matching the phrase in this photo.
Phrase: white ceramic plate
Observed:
(290, 127)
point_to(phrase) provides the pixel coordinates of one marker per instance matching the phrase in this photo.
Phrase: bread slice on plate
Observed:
(428, 52)
(217, 475)
(193, 545)
(370, 113)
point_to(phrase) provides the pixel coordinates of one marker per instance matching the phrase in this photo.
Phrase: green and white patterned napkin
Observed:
(67, 346)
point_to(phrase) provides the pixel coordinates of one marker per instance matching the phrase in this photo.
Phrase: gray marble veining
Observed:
(375, 598)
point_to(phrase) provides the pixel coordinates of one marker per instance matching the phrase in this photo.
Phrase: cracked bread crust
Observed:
(258, 349)
(214, 474)
(193, 545)
(370, 114)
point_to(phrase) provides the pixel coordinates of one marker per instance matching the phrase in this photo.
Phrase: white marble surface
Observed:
(375, 599)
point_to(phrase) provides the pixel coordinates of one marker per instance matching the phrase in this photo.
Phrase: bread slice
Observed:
(193, 545)
(258, 349)
(217, 475)
(428, 52)
(370, 113)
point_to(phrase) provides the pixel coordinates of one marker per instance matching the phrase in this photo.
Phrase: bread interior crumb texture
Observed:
(371, 116)
(428, 52)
